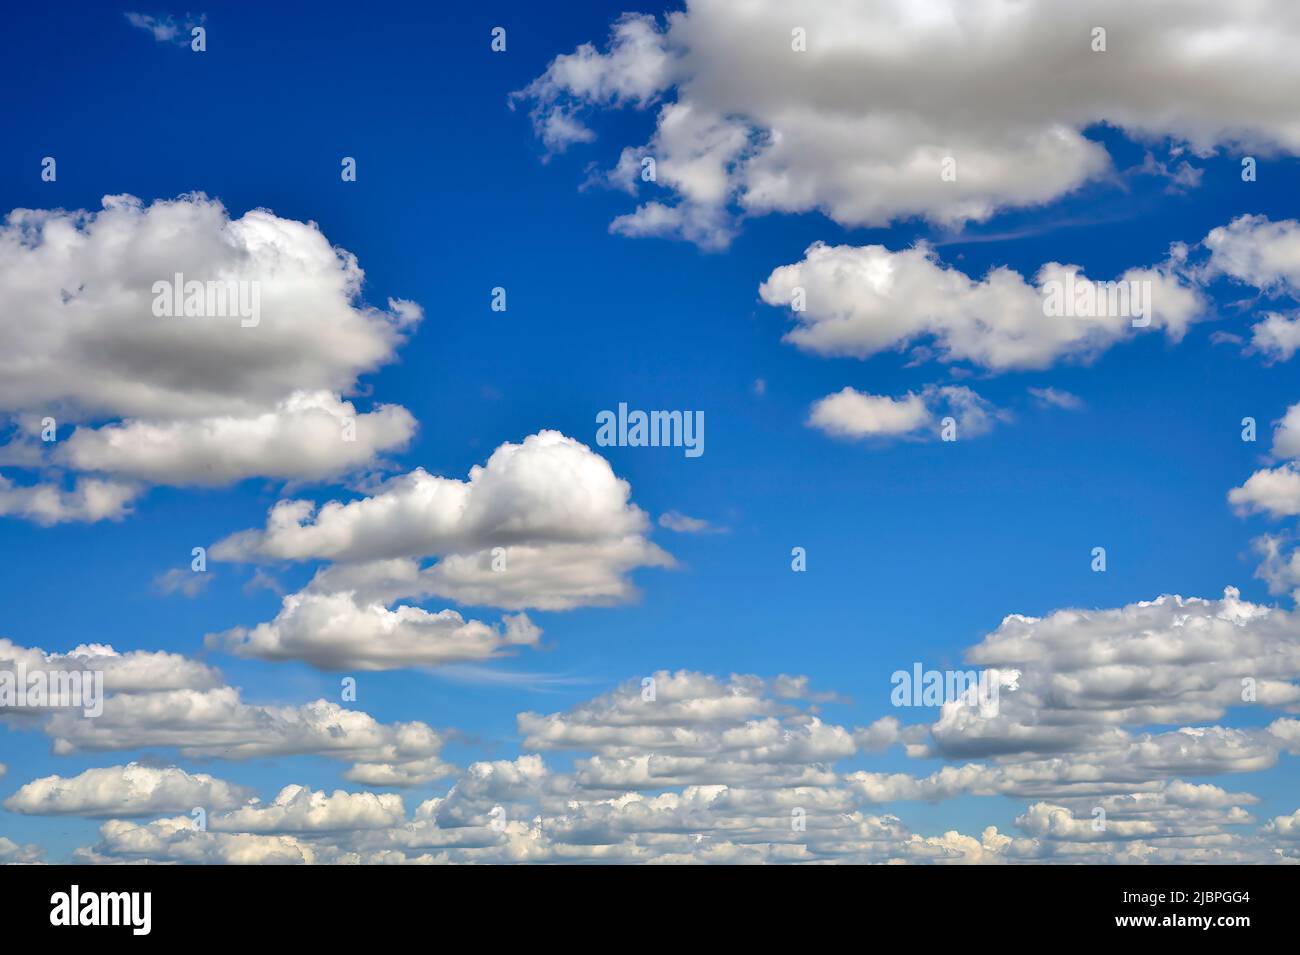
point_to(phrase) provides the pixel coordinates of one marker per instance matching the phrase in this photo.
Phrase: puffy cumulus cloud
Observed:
(853, 414)
(217, 723)
(89, 500)
(665, 709)
(546, 576)
(335, 632)
(164, 700)
(83, 336)
(1127, 819)
(858, 124)
(187, 399)
(126, 674)
(850, 413)
(178, 840)
(307, 436)
(130, 790)
(689, 728)
(1084, 676)
(1063, 780)
(548, 488)
(1119, 763)
(1285, 827)
(11, 853)
(633, 71)
(1273, 491)
(522, 811)
(1276, 336)
(1255, 251)
(493, 791)
(544, 524)
(1066, 736)
(763, 814)
(1286, 436)
(1111, 709)
(1166, 660)
(299, 809)
(1278, 567)
(858, 301)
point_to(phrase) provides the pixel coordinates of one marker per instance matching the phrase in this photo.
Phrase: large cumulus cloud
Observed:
(182, 400)
(858, 124)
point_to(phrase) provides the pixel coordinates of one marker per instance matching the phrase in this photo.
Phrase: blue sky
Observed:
(916, 549)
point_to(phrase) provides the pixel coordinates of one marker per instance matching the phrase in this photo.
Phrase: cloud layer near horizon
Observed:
(1101, 710)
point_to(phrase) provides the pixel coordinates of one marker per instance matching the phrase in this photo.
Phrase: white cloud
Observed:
(1277, 336)
(1285, 827)
(1163, 661)
(1279, 569)
(544, 523)
(165, 29)
(549, 488)
(1256, 251)
(633, 71)
(1272, 490)
(854, 414)
(91, 499)
(184, 400)
(177, 840)
(335, 632)
(164, 700)
(299, 809)
(218, 723)
(858, 124)
(137, 671)
(182, 580)
(691, 767)
(863, 300)
(13, 853)
(1286, 436)
(130, 790)
(1056, 398)
(714, 770)
(685, 524)
(307, 436)
(1276, 492)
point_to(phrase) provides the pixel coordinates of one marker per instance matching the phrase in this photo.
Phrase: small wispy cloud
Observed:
(1055, 398)
(684, 524)
(261, 580)
(1182, 177)
(916, 416)
(178, 580)
(166, 28)
(473, 675)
